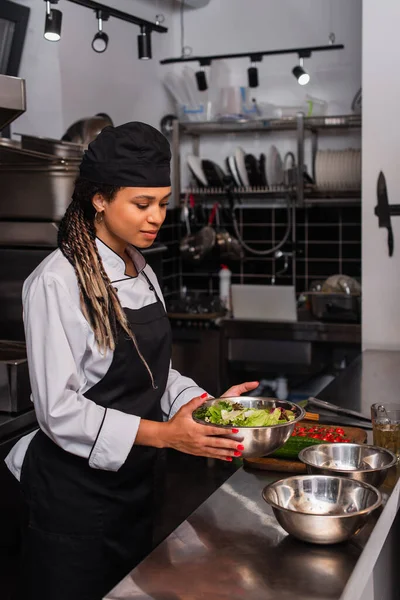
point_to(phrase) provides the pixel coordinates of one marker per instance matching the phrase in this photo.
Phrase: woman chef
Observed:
(105, 396)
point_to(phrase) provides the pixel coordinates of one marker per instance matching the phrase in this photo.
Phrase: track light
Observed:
(144, 43)
(300, 73)
(100, 40)
(252, 71)
(252, 75)
(201, 79)
(52, 26)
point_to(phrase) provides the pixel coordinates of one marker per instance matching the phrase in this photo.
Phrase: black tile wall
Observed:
(328, 241)
(170, 235)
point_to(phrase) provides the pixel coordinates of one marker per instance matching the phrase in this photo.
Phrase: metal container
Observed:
(15, 389)
(368, 464)
(40, 193)
(343, 308)
(321, 509)
(12, 99)
(259, 441)
(52, 147)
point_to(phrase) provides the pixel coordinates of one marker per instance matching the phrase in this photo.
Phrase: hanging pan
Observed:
(195, 247)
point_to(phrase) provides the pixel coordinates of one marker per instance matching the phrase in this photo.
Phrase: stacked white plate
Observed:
(338, 169)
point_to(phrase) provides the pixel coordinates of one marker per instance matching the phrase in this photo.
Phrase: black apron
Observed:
(87, 527)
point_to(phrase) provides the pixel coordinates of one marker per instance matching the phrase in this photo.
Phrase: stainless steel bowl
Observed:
(321, 509)
(259, 441)
(369, 464)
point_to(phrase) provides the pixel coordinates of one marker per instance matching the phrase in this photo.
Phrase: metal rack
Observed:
(273, 197)
(301, 194)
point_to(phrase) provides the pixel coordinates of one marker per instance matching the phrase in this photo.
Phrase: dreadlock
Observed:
(77, 241)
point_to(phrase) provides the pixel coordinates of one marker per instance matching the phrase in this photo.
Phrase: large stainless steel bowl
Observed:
(355, 461)
(321, 509)
(259, 441)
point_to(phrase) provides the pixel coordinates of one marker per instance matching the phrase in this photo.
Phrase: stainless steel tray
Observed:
(52, 147)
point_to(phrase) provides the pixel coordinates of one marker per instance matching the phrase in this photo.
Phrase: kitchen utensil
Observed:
(194, 247)
(263, 170)
(195, 166)
(289, 169)
(15, 390)
(213, 173)
(231, 166)
(335, 307)
(321, 509)
(368, 464)
(386, 426)
(241, 166)
(270, 463)
(253, 171)
(52, 147)
(227, 245)
(336, 409)
(37, 192)
(85, 130)
(342, 284)
(259, 441)
(274, 167)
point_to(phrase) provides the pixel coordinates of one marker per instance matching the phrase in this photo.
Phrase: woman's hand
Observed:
(184, 434)
(242, 388)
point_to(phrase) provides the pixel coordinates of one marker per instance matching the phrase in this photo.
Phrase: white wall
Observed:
(381, 151)
(230, 26)
(67, 80)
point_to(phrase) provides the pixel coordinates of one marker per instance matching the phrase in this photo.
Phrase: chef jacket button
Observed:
(151, 288)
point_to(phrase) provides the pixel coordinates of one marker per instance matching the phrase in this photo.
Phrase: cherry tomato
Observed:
(340, 431)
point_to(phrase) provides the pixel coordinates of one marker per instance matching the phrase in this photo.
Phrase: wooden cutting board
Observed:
(355, 434)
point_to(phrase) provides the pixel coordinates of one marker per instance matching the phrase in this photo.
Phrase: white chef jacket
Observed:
(65, 362)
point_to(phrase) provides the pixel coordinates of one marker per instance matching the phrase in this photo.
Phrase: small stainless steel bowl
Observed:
(321, 509)
(369, 464)
(259, 441)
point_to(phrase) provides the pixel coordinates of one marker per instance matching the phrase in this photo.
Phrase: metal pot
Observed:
(52, 147)
(195, 247)
(345, 308)
(37, 192)
(228, 246)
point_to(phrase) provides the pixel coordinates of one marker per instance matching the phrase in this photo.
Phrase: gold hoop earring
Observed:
(99, 216)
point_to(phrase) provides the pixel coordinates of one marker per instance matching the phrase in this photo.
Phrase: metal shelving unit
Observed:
(301, 194)
(274, 197)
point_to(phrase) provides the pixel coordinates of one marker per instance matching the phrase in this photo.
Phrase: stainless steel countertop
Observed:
(232, 547)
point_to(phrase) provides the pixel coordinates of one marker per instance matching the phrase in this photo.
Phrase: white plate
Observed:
(194, 164)
(274, 167)
(241, 166)
(234, 171)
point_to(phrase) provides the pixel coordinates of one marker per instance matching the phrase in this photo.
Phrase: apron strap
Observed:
(151, 286)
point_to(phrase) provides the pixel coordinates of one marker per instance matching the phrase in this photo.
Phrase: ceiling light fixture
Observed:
(100, 40)
(252, 71)
(201, 77)
(302, 76)
(144, 43)
(302, 52)
(52, 25)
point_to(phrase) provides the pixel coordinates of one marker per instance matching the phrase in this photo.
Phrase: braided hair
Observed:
(77, 241)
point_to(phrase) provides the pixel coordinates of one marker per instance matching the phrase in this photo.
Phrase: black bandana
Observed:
(131, 155)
